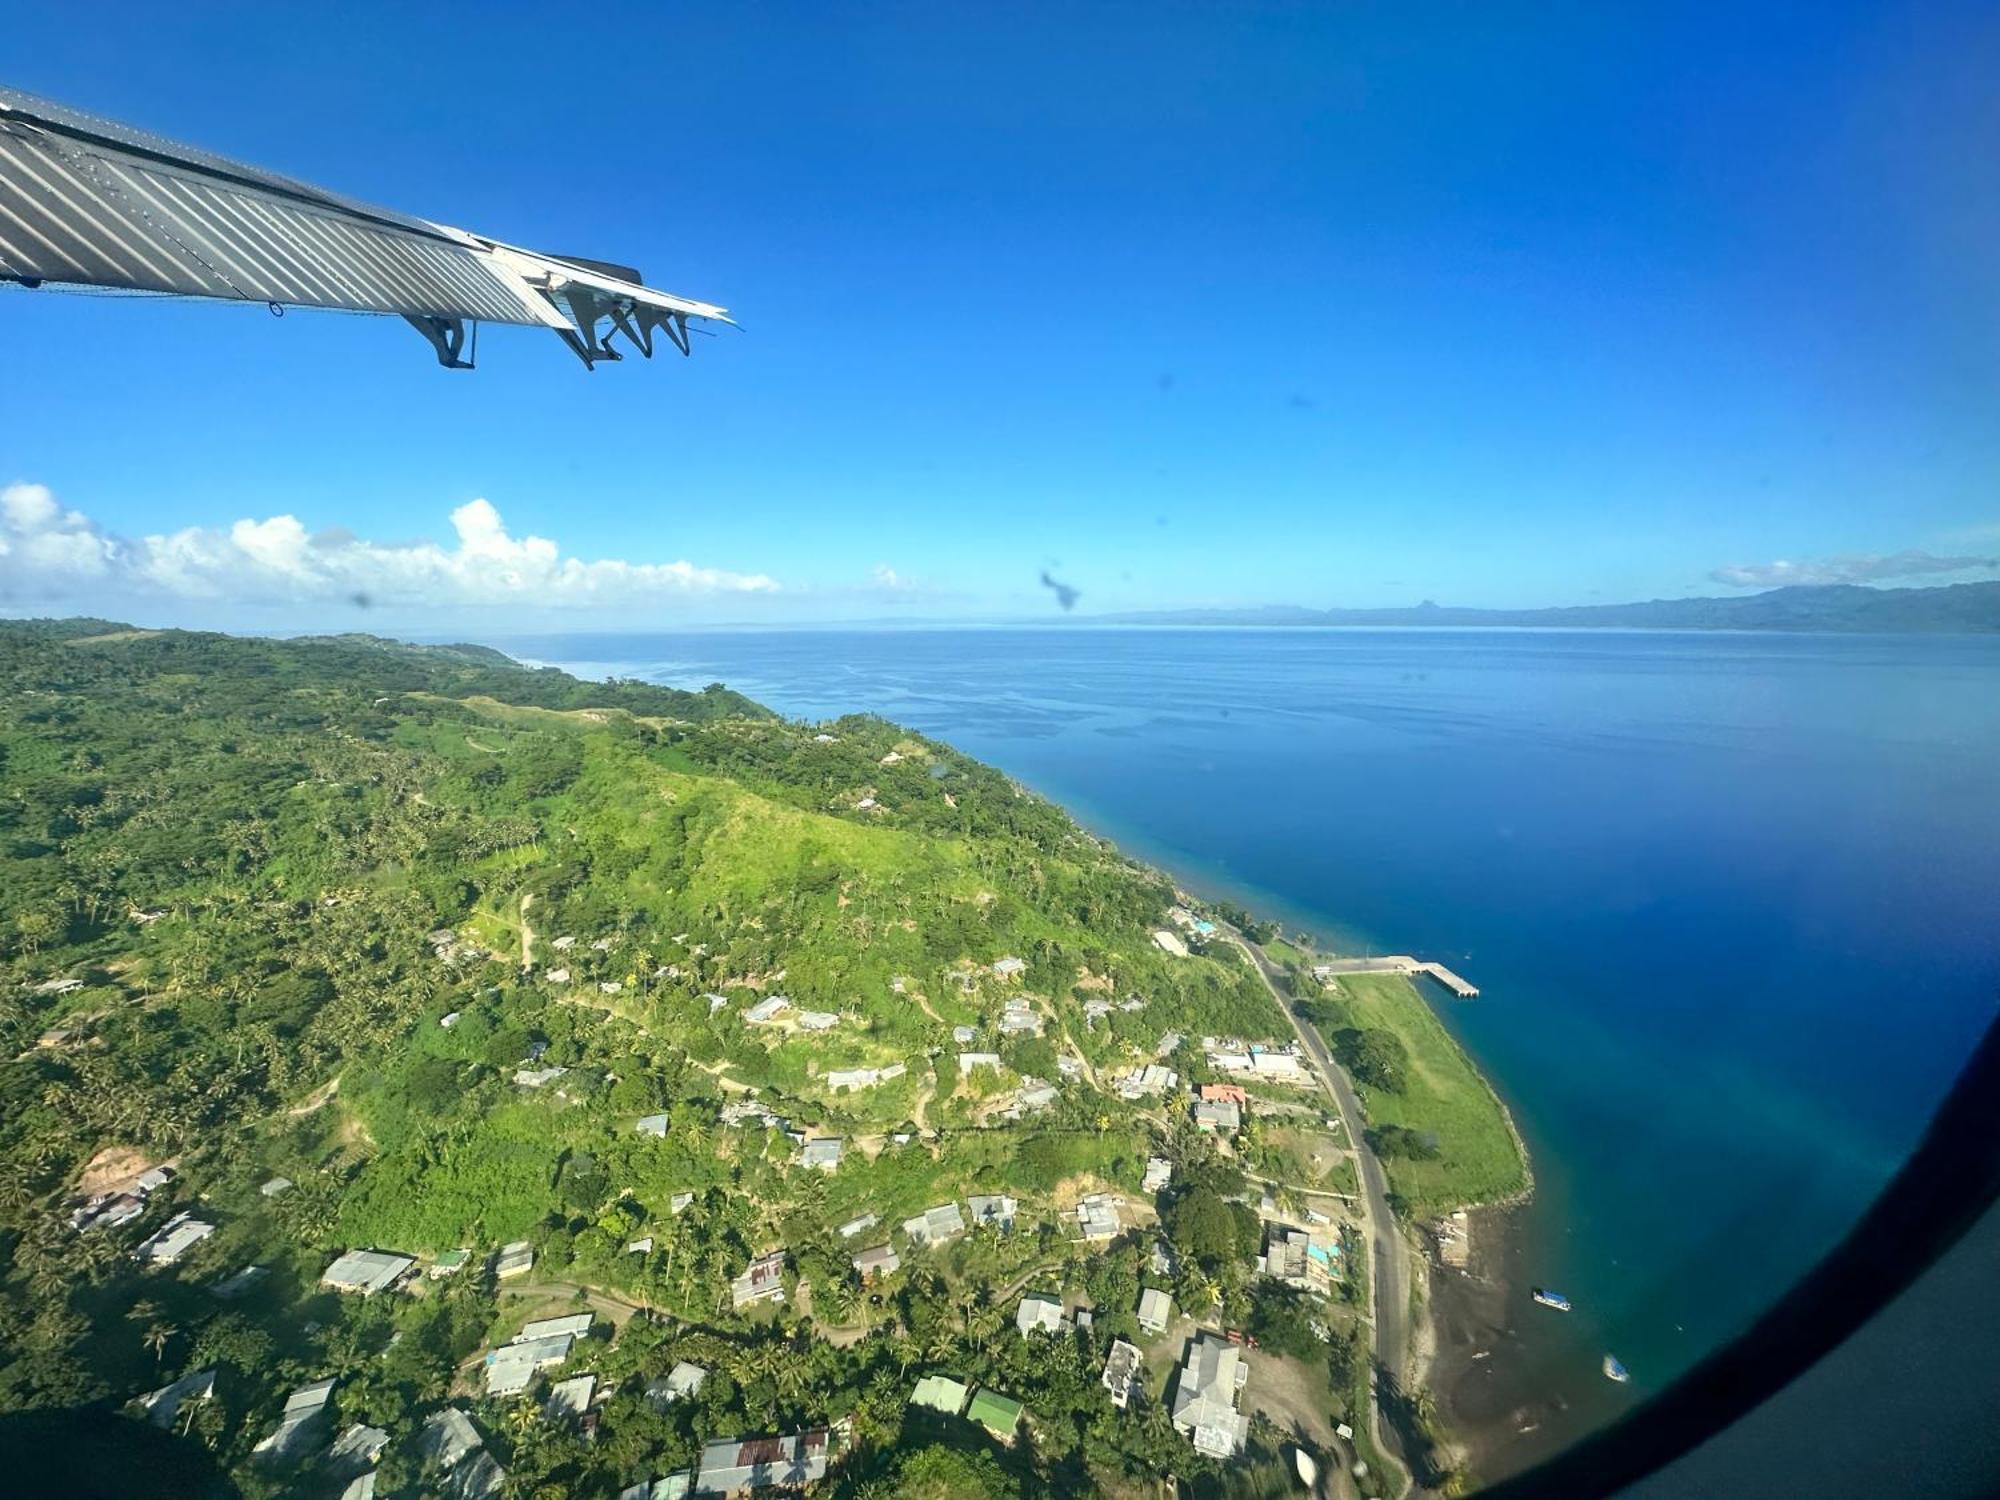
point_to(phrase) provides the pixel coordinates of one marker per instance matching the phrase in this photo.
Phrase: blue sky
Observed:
(1183, 304)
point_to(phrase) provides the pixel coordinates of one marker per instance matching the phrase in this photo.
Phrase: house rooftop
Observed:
(1039, 1313)
(172, 1240)
(940, 1393)
(569, 1398)
(576, 1325)
(998, 1414)
(447, 1437)
(365, 1271)
(935, 1224)
(754, 1463)
(511, 1368)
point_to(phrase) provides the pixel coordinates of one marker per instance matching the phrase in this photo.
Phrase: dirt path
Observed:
(527, 932)
(316, 1098)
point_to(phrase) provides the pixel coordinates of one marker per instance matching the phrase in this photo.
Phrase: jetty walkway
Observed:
(1397, 963)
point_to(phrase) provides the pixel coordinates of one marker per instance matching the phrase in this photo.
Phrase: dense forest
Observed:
(389, 947)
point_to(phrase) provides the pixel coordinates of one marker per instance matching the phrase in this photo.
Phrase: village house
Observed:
(1040, 1314)
(1169, 942)
(641, 1246)
(449, 1264)
(1020, 1018)
(818, 1020)
(299, 1426)
(356, 1448)
(534, 1078)
(366, 1271)
(162, 1406)
(478, 1478)
(995, 1210)
(511, 1368)
(736, 1465)
(854, 1226)
(1156, 1310)
(569, 1398)
(940, 1393)
(877, 1262)
(968, 1061)
(1121, 1371)
(447, 1439)
(934, 1226)
(998, 1414)
(1148, 1082)
(514, 1260)
(1291, 1256)
(863, 1078)
(1204, 1407)
(653, 1125)
(1009, 967)
(1223, 1093)
(1211, 1117)
(822, 1153)
(557, 976)
(763, 1280)
(172, 1240)
(767, 1010)
(1069, 1065)
(1159, 1172)
(1098, 1216)
(681, 1383)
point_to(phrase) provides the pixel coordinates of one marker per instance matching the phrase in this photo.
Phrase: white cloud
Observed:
(1859, 567)
(48, 553)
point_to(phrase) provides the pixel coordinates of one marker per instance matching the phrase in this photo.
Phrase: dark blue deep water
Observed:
(1731, 899)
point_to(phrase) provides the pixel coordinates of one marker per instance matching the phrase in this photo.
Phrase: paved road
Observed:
(1388, 1255)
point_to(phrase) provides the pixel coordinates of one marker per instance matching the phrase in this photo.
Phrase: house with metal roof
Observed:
(854, 1226)
(1211, 1116)
(172, 1240)
(299, 1426)
(478, 1478)
(235, 1285)
(162, 1406)
(969, 1061)
(1039, 1314)
(653, 1125)
(356, 1449)
(365, 1271)
(1159, 1172)
(569, 1398)
(511, 1369)
(767, 1010)
(674, 1486)
(1156, 1310)
(994, 1210)
(735, 1465)
(877, 1262)
(1010, 966)
(576, 1325)
(998, 1414)
(821, 1153)
(940, 1393)
(1204, 1405)
(447, 1438)
(514, 1259)
(681, 1383)
(763, 1280)
(935, 1225)
(818, 1020)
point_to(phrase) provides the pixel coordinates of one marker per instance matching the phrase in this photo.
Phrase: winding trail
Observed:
(1388, 1255)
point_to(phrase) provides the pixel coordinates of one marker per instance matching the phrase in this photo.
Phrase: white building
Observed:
(366, 1271)
(1204, 1407)
(1039, 1314)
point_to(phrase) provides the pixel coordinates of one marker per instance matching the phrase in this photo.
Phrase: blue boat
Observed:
(1614, 1370)
(1551, 1299)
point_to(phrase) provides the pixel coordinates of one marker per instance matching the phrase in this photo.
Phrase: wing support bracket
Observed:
(446, 335)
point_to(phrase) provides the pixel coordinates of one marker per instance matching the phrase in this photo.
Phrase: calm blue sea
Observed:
(1730, 898)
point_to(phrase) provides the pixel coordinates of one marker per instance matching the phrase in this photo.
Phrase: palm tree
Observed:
(157, 1337)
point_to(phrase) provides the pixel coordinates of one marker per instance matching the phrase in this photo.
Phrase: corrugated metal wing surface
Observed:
(73, 210)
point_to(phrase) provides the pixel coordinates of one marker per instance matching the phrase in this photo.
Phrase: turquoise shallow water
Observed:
(1730, 898)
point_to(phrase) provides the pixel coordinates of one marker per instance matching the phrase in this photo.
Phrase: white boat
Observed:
(1614, 1370)
(1308, 1470)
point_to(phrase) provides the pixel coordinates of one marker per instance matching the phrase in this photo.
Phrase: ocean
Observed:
(1729, 898)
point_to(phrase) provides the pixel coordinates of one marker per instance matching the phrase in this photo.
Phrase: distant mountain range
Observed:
(1962, 607)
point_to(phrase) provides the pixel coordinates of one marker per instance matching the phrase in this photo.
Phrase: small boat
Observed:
(1308, 1471)
(1615, 1371)
(1551, 1299)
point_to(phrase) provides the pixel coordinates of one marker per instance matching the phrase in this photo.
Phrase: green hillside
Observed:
(333, 910)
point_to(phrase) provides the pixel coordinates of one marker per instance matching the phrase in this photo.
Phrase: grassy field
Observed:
(1445, 1096)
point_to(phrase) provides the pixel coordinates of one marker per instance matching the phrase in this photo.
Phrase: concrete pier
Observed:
(1397, 963)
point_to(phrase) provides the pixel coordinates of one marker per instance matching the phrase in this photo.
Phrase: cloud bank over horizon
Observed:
(51, 554)
(1858, 567)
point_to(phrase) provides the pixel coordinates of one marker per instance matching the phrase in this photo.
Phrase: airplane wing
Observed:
(86, 201)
